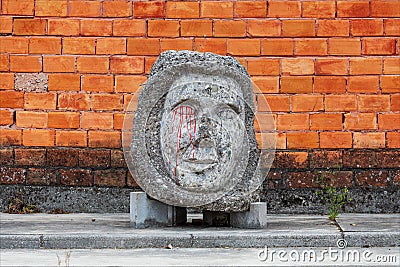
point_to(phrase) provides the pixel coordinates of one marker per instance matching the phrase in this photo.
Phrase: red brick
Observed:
(263, 66)
(244, 47)
(390, 84)
(264, 28)
(328, 66)
(377, 103)
(92, 64)
(104, 139)
(229, 28)
(117, 9)
(38, 137)
(389, 121)
(64, 82)
(64, 27)
(298, 28)
(155, 9)
(250, 9)
(11, 99)
(307, 103)
(379, 46)
(385, 8)
(74, 101)
(395, 103)
(63, 119)
(363, 84)
(97, 27)
(349, 9)
(391, 65)
(310, 47)
(367, 27)
(31, 119)
(196, 28)
(49, 45)
(365, 66)
(126, 65)
(265, 84)
(163, 28)
(25, 63)
(293, 122)
(129, 27)
(71, 138)
(80, 45)
(84, 9)
(340, 103)
(302, 140)
(318, 9)
(329, 84)
(393, 139)
(129, 84)
(371, 178)
(212, 9)
(75, 177)
(183, 9)
(40, 100)
(176, 44)
(110, 177)
(6, 24)
(392, 27)
(360, 121)
(6, 81)
(58, 64)
(264, 122)
(106, 102)
(148, 63)
(141, 46)
(130, 102)
(297, 66)
(96, 120)
(293, 84)
(6, 117)
(369, 140)
(276, 103)
(4, 62)
(119, 121)
(111, 46)
(335, 140)
(46, 8)
(344, 46)
(333, 28)
(284, 9)
(30, 26)
(9, 137)
(277, 47)
(18, 7)
(98, 83)
(217, 46)
(325, 121)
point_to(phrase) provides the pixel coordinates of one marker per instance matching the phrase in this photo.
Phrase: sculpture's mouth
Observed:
(198, 165)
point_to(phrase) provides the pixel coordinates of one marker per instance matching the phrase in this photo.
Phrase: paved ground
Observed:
(107, 239)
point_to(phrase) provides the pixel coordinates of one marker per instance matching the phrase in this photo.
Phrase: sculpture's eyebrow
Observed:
(178, 103)
(235, 107)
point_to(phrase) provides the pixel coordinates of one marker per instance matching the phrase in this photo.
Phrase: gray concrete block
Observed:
(255, 218)
(146, 212)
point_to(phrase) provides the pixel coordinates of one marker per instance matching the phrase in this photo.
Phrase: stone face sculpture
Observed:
(193, 141)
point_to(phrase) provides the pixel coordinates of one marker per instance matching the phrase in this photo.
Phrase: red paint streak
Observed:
(187, 117)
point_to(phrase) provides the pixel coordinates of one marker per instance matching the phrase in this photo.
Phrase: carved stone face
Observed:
(202, 132)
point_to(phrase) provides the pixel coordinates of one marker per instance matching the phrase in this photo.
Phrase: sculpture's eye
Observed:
(227, 114)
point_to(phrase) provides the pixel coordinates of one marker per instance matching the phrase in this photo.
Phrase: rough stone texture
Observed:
(31, 82)
(193, 133)
(36, 176)
(113, 177)
(30, 157)
(76, 177)
(95, 158)
(62, 157)
(6, 157)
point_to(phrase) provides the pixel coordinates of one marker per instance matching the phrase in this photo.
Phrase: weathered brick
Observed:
(58, 64)
(212, 9)
(335, 140)
(18, 7)
(263, 28)
(117, 158)
(277, 47)
(244, 47)
(365, 66)
(126, 65)
(371, 178)
(298, 28)
(360, 121)
(330, 28)
(390, 84)
(129, 84)
(6, 117)
(76, 177)
(318, 9)
(64, 82)
(117, 9)
(98, 83)
(359, 158)
(30, 26)
(84, 9)
(230, 28)
(368, 140)
(385, 8)
(71, 138)
(104, 139)
(293, 122)
(344, 46)
(125, 27)
(307, 103)
(217, 46)
(284, 9)
(250, 9)
(349, 9)
(329, 84)
(10, 137)
(35, 176)
(389, 121)
(6, 156)
(45, 45)
(96, 27)
(11, 99)
(40, 101)
(74, 101)
(301, 180)
(63, 119)
(31, 119)
(81, 45)
(326, 159)
(112, 177)
(311, 47)
(291, 160)
(163, 28)
(98, 158)
(38, 137)
(151, 9)
(13, 45)
(326, 121)
(263, 66)
(92, 64)
(30, 157)
(95, 120)
(379, 46)
(45, 8)
(10, 175)
(106, 102)
(63, 27)
(108, 46)
(25, 63)
(183, 10)
(377, 103)
(293, 84)
(62, 157)
(393, 139)
(142, 46)
(302, 140)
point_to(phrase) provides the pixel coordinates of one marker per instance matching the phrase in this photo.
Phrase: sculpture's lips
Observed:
(201, 161)
(198, 165)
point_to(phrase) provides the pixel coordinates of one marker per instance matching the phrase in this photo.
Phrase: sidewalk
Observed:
(111, 231)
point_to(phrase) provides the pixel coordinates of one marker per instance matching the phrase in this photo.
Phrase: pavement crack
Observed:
(41, 241)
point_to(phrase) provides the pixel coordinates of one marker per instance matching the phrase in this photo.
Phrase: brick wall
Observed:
(328, 69)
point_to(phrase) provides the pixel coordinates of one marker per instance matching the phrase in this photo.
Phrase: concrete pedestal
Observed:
(146, 212)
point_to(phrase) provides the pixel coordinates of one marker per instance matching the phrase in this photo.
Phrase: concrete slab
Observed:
(201, 257)
(369, 222)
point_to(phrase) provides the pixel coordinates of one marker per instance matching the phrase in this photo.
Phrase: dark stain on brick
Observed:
(117, 159)
(301, 180)
(326, 159)
(62, 157)
(115, 177)
(6, 157)
(12, 175)
(36, 176)
(291, 160)
(30, 156)
(371, 178)
(95, 158)
(76, 177)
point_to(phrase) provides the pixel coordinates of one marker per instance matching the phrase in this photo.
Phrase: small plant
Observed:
(335, 198)
(18, 205)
